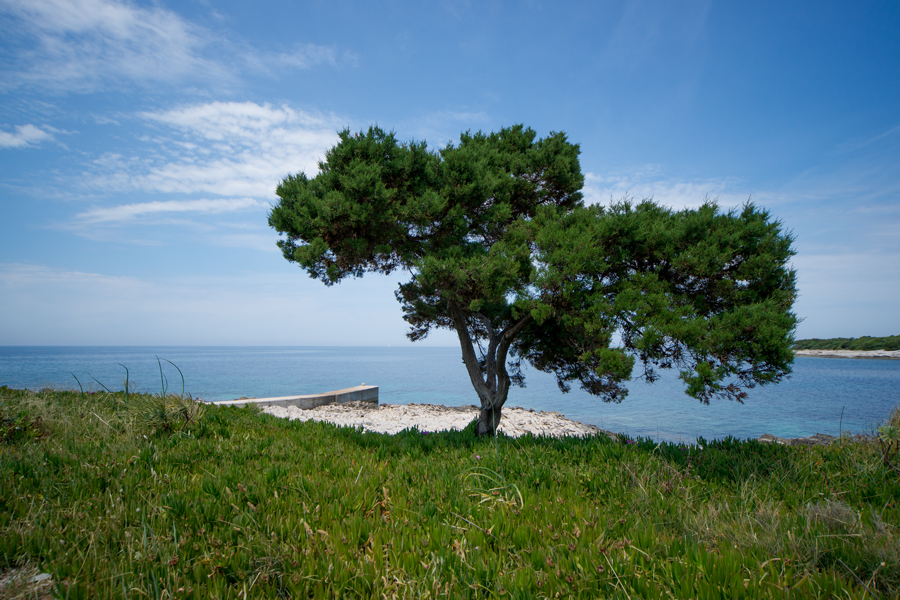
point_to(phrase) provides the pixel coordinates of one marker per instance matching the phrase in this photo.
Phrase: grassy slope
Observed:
(115, 501)
(861, 343)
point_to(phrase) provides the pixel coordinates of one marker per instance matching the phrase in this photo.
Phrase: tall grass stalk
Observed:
(127, 380)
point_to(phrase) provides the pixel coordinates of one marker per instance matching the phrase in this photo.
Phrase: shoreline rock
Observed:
(517, 421)
(394, 418)
(850, 353)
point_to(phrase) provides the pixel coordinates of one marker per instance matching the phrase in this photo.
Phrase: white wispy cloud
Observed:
(301, 56)
(24, 135)
(84, 45)
(81, 45)
(651, 182)
(14, 275)
(439, 127)
(235, 122)
(129, 212)
(216, 158)
(644, 24)
(852, 146)
(226, 148)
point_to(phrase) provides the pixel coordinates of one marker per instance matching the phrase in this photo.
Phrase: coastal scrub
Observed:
(239, 504)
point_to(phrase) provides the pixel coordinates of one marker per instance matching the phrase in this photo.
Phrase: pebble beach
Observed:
(394, 418)
(516, 421)
(850, 353)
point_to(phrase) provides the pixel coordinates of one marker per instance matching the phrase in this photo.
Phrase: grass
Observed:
(115, 501)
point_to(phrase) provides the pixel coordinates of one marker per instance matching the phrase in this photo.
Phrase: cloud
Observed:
(848, 147)
(302, 56)
(234, 122)
(646, 24)
(651, 182)
(85, 45)
(120, 223)
(80, 45)
(25, 135)
(226, 148)
(128, 212)
(439, 127)
(15, 275)
(217, 158)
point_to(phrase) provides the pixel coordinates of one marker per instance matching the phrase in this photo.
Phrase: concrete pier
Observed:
(359, 393)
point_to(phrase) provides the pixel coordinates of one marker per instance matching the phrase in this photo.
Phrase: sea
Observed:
(823, 395)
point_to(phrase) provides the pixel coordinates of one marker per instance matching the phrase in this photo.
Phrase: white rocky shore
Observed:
(394, 418)
(850, 353)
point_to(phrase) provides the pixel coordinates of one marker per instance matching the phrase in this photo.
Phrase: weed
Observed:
(889, 441)
(836, 517)
(491, 488)
(164, 414)
(18, 427)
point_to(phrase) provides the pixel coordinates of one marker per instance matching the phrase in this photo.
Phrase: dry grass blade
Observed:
(492, 488)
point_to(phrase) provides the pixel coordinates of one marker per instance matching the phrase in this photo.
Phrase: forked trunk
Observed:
(491, 399)
(488, 420)
(490, 380)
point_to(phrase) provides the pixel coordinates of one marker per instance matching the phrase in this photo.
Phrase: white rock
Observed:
(850, 353)
(394, 418)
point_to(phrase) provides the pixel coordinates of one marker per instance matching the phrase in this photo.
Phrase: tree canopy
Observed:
(500, 248)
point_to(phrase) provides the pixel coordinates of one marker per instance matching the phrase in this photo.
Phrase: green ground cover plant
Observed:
(226, 502)
(891, 342)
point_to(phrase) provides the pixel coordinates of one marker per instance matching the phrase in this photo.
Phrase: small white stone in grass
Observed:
(40, 577)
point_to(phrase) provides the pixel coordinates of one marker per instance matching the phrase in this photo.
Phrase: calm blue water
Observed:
(810, 402)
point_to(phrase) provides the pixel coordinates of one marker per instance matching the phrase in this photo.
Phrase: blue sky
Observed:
(141, 144)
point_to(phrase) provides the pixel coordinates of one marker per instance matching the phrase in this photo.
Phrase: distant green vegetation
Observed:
(156, 497)
(861, 343)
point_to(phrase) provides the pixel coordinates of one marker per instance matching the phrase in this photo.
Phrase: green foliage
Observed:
(699, 290)
(501, 249)
(865, 342)
(243, 505)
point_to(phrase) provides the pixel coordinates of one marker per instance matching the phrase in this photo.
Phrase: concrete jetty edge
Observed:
(359, 393)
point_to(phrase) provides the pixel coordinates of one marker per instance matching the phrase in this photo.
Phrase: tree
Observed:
(500, 248)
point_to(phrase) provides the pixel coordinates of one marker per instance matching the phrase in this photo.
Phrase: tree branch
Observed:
(506, 338)
(487, 324)
(490, 364)
(468, 351)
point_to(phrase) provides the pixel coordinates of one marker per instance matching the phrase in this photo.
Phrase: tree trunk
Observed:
(489, 419)
(492, 383)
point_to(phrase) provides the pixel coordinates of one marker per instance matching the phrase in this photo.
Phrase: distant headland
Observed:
(861, 347)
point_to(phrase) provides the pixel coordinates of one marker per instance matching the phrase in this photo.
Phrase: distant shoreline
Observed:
(889, 354)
